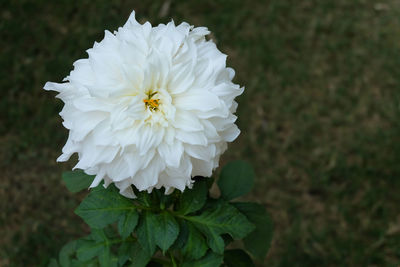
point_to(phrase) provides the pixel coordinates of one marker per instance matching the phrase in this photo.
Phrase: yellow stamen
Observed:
(152, 103)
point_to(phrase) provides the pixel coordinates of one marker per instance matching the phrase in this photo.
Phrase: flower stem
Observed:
(172, 259)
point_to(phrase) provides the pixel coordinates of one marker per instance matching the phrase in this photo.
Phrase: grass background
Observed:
(319, 119)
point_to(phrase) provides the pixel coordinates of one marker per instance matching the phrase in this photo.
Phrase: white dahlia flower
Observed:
(150, 107)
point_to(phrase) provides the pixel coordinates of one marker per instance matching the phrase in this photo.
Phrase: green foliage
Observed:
(319, 118)
(193, 200)
(220, 218)
(166, 230)
(237, 258)
(259, 241)
(77, 180)
(146, 231)
(93, 250)
(135, 253)
(237, 179)
(66, 253)
(190, 228)
(104, 206)
(195, 246)
(209, 260)
(127, 223)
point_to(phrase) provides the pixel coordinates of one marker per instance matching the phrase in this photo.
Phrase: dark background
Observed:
(319, 119)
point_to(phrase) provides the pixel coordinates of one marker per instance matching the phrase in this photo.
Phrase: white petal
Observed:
(187, 121)
(202, 168)
(201, 100)
(171, 154)
(193, 138)
(206, 153)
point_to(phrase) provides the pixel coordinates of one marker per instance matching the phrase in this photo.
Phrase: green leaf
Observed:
(95, 244)
(166, 230)
(53, 263)
(236, 179)
(66, 254)
(221, 218)
(258, 241)
(237, 258)
(182, 236)
(209, 260)
(90, 263)
(88, 249)
(139, 256)
(103, 206)
(146, 231)
(77, 180)
(107, 259)
(127, 223)
(193, 199)
(124, 253)
(195, 246)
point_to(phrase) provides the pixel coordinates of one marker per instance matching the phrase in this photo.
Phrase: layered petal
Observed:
(150, 107)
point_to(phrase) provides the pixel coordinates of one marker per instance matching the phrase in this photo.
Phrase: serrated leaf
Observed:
(88, 249)
(98, 235)
(193, 199)
(77, 180)
(107, 259)
(209, 260)
(127, 223)
(237, 258)
(93, 245)
(124, 253)
(182, 236)
(236, 179)
(196, 245)
(66, 254)
(221, 218)
(146, 231)
(103, 206)
(166, 230)
(258, 241)
(135, 253)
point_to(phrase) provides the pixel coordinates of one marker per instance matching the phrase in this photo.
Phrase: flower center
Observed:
(150, 102)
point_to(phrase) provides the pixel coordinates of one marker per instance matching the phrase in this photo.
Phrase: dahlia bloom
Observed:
(150, 107)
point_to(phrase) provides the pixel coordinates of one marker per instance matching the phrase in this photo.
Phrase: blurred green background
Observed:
(319, 119)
